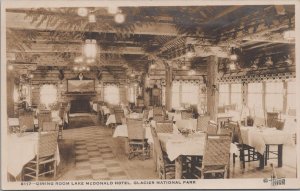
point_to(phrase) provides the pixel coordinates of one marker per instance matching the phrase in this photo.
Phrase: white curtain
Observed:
(48, 94)
(112, 94)
(255, 96)
(291, 95)
(236, 95)
(223, 94)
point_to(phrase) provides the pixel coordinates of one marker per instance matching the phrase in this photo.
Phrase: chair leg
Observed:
(54, 173)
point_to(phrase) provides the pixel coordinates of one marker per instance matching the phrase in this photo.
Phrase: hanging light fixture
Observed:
(191, 72)
(190, 51)
(232, 66)
(90, 48)
(119, 18)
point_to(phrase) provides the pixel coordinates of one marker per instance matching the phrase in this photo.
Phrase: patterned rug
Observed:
(94, 158)
(82, 120)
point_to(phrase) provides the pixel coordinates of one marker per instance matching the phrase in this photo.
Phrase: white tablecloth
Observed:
(186, 124)
(105, 110)
(21, 150)
(177, 144)
(111, 119)
(121, 131)
(258, 138)
(95, 107)
(174, 115)
(15, 122)
(150, 114)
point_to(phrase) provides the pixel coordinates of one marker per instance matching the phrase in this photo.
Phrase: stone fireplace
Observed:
(80, 106)
(80, 103)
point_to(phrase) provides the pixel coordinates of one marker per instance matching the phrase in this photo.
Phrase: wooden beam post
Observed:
(168, 91)
(212, 89)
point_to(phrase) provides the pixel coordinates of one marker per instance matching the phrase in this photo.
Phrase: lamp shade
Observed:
(90, 48)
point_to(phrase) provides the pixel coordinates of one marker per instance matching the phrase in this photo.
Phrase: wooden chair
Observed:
(164, 127)
(44, 116)
(166, 168)
(50, 126)
(158, 118)
(212, 128)
(247, 153)
(221, 109)
(186, 115)
(157, 111)
(216, 157)
(202, 122)
(26, 122)
(119, 114)
(138, 145)
(272, 117)
(47, 145)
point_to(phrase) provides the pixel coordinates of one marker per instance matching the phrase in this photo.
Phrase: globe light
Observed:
(119, 18)
(90, 48)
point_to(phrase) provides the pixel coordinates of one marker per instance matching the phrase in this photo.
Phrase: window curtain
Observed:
(184, 92)
(48, 94)
(255, 99)
(291, 95)
(112, 94)
(236, 95)
(274, 96)
(223, 94)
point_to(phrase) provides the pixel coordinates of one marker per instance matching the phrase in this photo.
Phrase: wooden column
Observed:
(212, 92)
(168, 90)
(284, 108)
(10, 93)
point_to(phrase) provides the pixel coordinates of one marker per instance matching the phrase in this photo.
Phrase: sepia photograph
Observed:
(153, 94)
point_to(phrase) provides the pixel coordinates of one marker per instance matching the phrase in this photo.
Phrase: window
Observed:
(255, 97)
(48, 94)
(112, 94)
(223, 94)
(236, 95)
(184, 93)
(189, 93)
(175, 95)
(291, 95)
(274, 96)
(163, 89)
(131, 94)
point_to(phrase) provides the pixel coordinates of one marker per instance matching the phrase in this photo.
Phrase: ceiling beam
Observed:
(18, 21)
(75, 48)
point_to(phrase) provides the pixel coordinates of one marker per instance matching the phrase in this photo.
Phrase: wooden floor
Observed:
(90, 153)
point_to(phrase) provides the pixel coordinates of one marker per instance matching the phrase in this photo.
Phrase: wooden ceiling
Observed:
(53, 37)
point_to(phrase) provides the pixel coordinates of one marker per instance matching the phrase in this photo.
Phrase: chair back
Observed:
(217, 150)
(186, 115)
(279, 124)
(202, 122)
(158, 118)
(164, 127)
(212, 128)
(146, 114)
(61, 112)
(272, 117)
(44, 116)
(49, 126)
(157, 111)
(221, 109)
(236, 132)
(47, 144)
(135, 129)
(26, 122)
(157, 147)
(119, 114)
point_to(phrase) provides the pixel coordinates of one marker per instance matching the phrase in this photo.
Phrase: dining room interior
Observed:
(151, 92)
